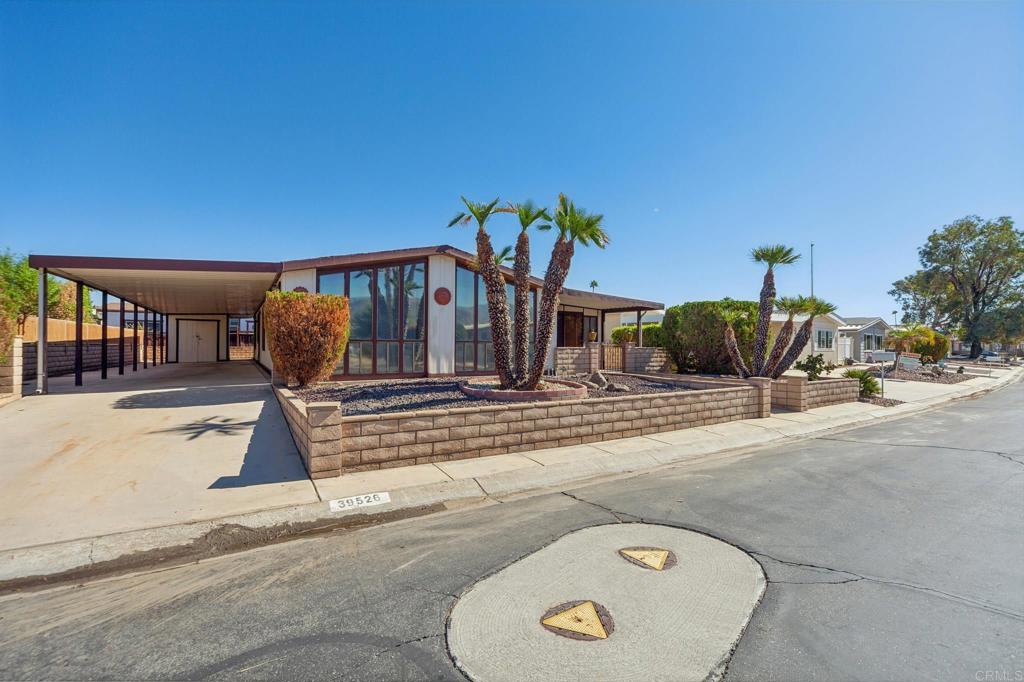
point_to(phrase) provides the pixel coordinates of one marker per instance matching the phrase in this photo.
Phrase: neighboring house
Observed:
(114, 316)
(824, 335)
(613, 320)
(864, 334)
(414, 312)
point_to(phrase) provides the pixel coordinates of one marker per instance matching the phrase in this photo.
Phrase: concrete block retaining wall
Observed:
(799, 394)
(332, 444)
(582, 360)
(646, 360)
(60, 356)
(10, 371)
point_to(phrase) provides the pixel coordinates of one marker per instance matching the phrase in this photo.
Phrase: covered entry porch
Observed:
(584, 327)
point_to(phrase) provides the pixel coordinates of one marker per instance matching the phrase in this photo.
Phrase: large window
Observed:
(474, 345)
(823, 340)
(388, 318)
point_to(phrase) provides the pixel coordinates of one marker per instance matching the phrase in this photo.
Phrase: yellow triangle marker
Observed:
(655, 558)
(582, 619)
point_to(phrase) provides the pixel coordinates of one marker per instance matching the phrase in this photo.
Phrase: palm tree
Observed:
(575, 226)
(815, 308)
(732, 347)
(904, 340)
(792, 306)
(593, 285)
(494, 285)
(772, 254)
(528, 214)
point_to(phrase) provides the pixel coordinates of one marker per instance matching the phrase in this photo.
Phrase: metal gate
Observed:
(611, 357)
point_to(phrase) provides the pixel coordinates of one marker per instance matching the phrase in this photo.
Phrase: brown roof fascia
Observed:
(167, 264)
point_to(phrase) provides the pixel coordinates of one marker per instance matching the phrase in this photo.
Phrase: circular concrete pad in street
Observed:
(678, 624)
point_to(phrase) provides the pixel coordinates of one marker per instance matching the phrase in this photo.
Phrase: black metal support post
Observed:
(78, 333)
(103, 338)
(135, 338)
(145, 338)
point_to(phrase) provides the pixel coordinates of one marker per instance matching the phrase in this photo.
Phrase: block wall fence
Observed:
(635, 359)
(332, 444)
(60, 356)
(798, 394)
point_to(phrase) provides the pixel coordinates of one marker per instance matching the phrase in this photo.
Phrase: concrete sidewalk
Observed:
(428, 487)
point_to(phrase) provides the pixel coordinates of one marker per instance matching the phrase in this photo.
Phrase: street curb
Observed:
(167, 545)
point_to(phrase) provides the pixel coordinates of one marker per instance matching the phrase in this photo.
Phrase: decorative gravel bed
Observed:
(926, 376)
(408, 395)
(883, 402)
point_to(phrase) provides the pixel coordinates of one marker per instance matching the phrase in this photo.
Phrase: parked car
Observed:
(989, 356)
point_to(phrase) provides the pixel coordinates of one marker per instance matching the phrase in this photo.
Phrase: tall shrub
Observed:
(692, 334)
(932, 345)
(307, 334)
(653, 335)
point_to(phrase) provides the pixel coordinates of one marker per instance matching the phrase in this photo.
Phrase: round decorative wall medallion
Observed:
(301, 290)
(442, 296)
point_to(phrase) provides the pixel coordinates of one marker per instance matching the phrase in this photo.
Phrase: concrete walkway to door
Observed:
(165, 445)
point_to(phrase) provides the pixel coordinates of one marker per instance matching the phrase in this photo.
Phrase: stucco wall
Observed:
(440, 318)
(292, 279)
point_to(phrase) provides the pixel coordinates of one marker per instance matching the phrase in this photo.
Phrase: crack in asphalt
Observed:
(1005, 455)
(394, 647)
(856, 577)
(618, 516)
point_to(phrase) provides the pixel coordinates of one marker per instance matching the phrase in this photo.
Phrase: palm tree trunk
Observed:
(793, 354)
(734, 352)
(554, 278)
(781, 343)
(764, 318)
(522, 311)
(497, 307)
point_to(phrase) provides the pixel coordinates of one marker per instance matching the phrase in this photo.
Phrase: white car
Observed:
(989, 356)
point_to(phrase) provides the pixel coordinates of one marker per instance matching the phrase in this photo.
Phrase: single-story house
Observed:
(864, 334)
(824, 335)
(414, 312)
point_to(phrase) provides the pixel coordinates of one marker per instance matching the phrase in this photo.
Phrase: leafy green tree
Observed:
(1005, 325)
(20, 289)
(64, 308)
(969, 268)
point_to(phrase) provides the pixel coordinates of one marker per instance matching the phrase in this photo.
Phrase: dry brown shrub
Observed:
(307, 334)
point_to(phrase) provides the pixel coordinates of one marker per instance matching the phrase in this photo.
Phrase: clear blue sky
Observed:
(273, 131)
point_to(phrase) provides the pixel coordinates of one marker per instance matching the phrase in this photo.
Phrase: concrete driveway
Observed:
(165, 445)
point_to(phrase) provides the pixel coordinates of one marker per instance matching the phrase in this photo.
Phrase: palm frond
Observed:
(460, 217)
(503, 256)
(774, 254)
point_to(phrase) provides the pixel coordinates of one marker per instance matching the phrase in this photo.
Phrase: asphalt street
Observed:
(893, 552)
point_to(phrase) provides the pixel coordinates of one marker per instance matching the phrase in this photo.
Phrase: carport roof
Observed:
(171, 286)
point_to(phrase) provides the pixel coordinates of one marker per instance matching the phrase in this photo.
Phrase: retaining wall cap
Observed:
(335, 405)
(369, 417)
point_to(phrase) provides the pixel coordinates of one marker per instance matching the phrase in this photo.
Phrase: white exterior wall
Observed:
(440, 318)
(299, 278)
(172, 334)
(829, 355)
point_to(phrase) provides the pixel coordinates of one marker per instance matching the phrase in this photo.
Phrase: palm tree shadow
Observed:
(270, 455)
(223, 426)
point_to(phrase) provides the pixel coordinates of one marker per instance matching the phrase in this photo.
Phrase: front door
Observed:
(570, 329)
(197, 341)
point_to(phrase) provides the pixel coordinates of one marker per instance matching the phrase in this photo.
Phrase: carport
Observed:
(193, 297)
(179, 442)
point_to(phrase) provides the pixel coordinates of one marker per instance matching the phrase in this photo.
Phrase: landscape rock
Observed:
(617, 388)
(598, 379)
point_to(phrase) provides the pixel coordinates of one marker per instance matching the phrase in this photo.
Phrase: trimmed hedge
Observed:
(306, 333)
(694, 334)
(653, 335)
